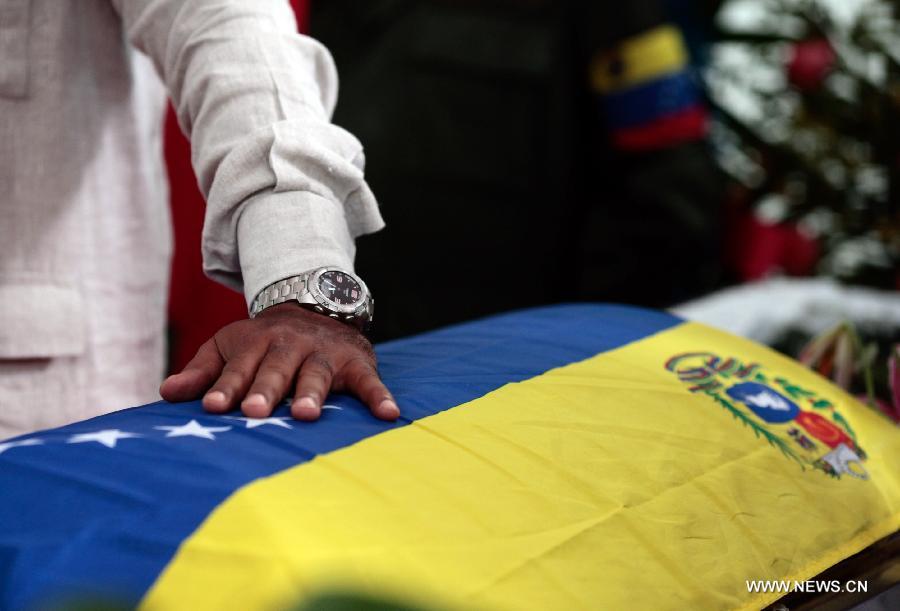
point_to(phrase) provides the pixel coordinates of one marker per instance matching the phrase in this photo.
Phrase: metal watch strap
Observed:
(279, 292)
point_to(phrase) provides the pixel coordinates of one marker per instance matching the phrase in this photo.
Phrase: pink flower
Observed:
(810, 62)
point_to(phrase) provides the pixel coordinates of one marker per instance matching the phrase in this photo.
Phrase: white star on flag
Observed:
(19, 444)
(107, 437)
(252, 423)
(193, 429)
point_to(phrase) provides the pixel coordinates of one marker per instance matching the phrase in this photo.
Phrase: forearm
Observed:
(255, 98)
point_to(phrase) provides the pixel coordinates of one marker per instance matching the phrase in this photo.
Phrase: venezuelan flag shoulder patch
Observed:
(649, 96)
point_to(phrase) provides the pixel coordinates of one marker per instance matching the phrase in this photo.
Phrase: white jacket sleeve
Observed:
(284, 187)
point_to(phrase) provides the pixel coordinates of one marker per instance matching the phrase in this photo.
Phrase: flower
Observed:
(838, 354)
(831, 353)
(810, 62)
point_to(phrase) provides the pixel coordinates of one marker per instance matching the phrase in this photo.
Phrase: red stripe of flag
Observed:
(681, 126)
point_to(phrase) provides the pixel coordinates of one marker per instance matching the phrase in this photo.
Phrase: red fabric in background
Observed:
(756, 250)
(198, 307)
(301, 10)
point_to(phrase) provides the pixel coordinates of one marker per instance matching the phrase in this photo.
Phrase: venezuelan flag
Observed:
(584, 457)
(648, 94)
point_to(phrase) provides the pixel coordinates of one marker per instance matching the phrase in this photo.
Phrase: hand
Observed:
(257, 362)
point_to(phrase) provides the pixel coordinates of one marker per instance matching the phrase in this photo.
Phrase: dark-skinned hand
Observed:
(285, 350)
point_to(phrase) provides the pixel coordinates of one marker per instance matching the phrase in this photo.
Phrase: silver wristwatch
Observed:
(327, 290)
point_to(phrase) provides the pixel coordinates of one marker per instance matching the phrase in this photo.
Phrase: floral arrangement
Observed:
(858, 366)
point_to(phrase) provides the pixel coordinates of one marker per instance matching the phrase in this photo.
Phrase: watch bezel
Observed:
(312, 285)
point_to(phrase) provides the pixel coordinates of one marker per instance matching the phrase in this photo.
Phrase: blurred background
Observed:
(653, 152)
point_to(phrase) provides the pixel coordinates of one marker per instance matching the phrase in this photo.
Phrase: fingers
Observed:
(360, 378)
(274, 377)
(196, 376)
(313, 383)
(255, 362)
(235, 379)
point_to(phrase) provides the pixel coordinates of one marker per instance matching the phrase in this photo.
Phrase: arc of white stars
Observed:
(193, 429)
(107, 437)
(9, 445)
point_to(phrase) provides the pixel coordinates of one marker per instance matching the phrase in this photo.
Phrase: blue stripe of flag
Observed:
(83, 520)
(650, 101)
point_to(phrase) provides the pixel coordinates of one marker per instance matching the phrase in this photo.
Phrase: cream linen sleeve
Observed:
(284, 187)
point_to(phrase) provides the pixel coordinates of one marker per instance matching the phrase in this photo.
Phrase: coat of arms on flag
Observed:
(815, 434)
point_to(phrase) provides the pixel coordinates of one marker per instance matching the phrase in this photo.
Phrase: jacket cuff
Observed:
(285, 234)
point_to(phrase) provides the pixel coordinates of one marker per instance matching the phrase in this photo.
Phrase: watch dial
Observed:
(340, 288)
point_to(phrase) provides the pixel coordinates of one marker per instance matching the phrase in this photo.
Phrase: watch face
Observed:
(340, 288)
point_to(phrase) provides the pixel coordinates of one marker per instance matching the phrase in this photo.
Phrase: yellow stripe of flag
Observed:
(655, 53)
(605, 484)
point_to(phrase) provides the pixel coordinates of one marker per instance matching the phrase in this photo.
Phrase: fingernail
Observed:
(389, 407)
(216, 396)
(305, 408)
(255, 400)
(305, 403)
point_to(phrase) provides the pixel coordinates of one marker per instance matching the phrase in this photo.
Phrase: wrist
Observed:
(327, 291)
(292, 309)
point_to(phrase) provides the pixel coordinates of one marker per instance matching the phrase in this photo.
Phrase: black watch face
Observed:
(340, 288)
